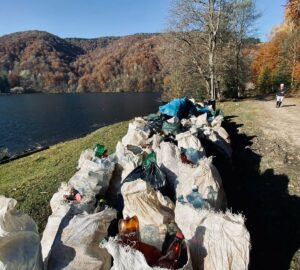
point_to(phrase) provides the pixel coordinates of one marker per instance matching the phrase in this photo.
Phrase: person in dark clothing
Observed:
(280, 95)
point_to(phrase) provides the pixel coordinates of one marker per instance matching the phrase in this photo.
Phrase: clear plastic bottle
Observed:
(195, 198)
(212, 195)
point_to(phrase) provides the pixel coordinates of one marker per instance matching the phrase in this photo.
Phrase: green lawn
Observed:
(33, 180)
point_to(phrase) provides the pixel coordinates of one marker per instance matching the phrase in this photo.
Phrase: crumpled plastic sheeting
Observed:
(126, 258)
(206, 177)
(76, 244)
(151, 207)
(128, 157)
(19, 239)
(135, 136)
(217, 241)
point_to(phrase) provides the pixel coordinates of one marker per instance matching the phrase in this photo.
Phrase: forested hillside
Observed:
(38, 61)
(278, 60)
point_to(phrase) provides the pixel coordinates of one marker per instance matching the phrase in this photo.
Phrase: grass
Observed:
(33, 180)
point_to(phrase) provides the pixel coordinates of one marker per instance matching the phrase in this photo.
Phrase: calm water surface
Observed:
(45, 119)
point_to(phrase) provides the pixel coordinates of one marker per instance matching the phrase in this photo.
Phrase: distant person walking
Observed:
(280, 95)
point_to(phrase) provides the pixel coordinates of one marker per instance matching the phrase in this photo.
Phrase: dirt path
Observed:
(282, 122)
(264, 183)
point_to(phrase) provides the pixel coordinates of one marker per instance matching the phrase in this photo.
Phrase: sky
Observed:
(95, 18)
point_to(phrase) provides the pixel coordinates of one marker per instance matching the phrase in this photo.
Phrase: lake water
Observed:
(46, 119)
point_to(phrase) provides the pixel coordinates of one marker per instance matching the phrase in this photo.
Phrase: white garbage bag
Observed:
(20, 246)
(217, 121)
(128, 157)
(76, 244)
(51, 230)
(208, 180)
(87, 154)
(217, 241)
(57, 201)
(153, 210)
(135, 136)
(155, 141)
(168, 159)
(220, 143)
(139, 122)
(189, 139)
(222, 133)
(93, 177)
(200, 121)
(126, 258)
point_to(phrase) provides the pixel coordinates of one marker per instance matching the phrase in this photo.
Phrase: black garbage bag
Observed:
(148, 172)
(151, 174)
(154, 126)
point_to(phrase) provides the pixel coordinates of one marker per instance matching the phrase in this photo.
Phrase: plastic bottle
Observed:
(195, 198)
(100, 151)
(181, 199)
(212, 195)
(170, 260)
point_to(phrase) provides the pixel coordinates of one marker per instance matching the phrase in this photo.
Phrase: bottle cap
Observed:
(194, 188)
(179, 235)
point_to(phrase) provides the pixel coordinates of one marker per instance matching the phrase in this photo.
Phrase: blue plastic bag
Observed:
(179, 108)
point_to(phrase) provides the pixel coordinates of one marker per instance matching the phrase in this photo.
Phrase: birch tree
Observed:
(197, 24)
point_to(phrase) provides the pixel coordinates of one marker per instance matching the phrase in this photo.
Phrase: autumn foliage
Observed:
(39, 61)
(278, 60)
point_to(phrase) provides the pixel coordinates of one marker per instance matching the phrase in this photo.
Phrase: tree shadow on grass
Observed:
(272, 215)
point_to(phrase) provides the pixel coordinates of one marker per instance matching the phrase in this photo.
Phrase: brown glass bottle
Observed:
(170, 260)
(129, 230)
(129, 233)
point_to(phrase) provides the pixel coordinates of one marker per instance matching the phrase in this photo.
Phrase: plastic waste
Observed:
(185, 160)
(170, 260)
(100, 150)
(151, 208)
(130, 235)
(73, 196)
(180, 108)
(148, 172)
(193, 155)
(150, 158)
(203, 175)
(20, 246)
(171, 128)
(135, 136)
(216, 240)
(76, 241)
(196, 199)
(126, 258)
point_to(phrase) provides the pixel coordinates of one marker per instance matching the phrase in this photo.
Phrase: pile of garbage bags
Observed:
(156, 203)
